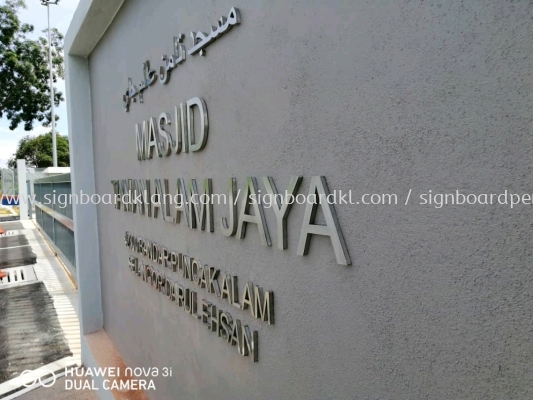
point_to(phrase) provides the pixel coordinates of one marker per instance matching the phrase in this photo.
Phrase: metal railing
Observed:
(53, 214)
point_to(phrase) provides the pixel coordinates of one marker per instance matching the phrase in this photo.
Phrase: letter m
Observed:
(142, 140)
(201, 205)
(264, 305)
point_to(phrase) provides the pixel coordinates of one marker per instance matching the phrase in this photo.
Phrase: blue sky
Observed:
(35, 14)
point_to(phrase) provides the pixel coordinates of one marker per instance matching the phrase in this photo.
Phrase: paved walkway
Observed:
(61, 391)
(60, 287)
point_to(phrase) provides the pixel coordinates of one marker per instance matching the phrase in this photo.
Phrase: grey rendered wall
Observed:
(379, 97)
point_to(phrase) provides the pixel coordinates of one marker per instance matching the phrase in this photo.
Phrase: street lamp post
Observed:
(54, 143)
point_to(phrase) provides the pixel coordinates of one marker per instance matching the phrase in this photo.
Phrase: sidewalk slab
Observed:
(30, 334)
(61, 290)
(62, 391)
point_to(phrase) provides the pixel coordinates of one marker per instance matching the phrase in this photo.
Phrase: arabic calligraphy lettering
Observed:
(200, 42)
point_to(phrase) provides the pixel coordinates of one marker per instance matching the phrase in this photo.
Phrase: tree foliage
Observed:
(38, 153)
(24, 73)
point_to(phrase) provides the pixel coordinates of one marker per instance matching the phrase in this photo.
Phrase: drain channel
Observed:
(18, 275)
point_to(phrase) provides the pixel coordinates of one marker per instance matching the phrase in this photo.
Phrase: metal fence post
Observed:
(53, 208)
(22, 189)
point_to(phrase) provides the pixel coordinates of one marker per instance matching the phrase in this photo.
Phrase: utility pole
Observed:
(54, 143)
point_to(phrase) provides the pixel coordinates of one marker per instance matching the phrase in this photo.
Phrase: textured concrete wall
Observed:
(379, 97)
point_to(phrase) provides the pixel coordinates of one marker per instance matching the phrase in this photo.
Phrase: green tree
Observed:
(37, 151)
(24, 73)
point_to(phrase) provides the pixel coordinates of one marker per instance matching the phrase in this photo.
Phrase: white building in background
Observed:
(56, 170)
